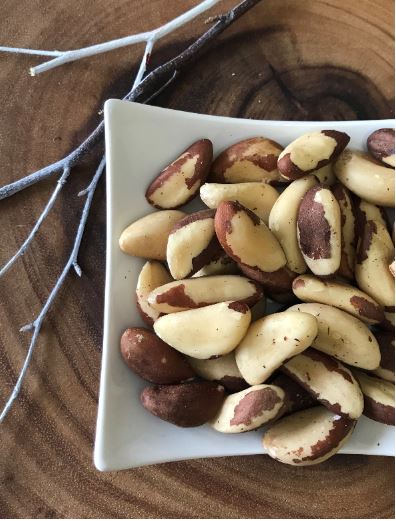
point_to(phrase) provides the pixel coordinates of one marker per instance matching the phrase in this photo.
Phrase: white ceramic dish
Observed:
(140, 141)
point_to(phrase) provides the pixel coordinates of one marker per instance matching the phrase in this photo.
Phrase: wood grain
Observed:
(284, 60)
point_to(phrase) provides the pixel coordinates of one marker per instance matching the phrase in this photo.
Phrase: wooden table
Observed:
(284, 60)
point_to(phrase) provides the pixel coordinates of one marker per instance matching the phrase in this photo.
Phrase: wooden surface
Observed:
(284, 60)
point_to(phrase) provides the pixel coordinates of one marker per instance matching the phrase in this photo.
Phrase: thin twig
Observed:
(92, 50)
(150, 82)
(20, 50)
(72, 261)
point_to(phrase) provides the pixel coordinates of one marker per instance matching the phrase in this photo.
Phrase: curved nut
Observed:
(185, 405)
(343, 336)
(374, 254)
(348, 231)
(331, 383)
(253, 159)
(325, 175)
(307, 437)
(379, 398)
(277, 283)
(386, 369)
(179, 182)
(283, 221)
(366, 178)
(222, 264)
(147, 237)
(191, 244)
(246, 238)
(203, 291)
(319, 230)
(310, 152)
(205, 332)
(272, 340)
(222, 370)
(381, 145)
(311, 289)
(152, 275)
(365, 212)
(249, 409)
(296, 397)
(150, 358)
(257, 197)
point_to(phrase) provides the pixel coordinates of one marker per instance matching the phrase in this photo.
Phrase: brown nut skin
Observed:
(180, 181)
(381, 145)
(379, 398)
(250, 160)
(319, 230)
(330, 382)
(386, 342)
(311, 152)
(152, 359)
(192, 244)
(307, 437)
(296, 397)
(186, 405)
(247, 239)
(348, 231)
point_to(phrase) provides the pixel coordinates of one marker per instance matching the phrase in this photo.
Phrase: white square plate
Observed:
(140, 141)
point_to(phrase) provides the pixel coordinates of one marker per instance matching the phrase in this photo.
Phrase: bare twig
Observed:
(159, 79)
(62, 57)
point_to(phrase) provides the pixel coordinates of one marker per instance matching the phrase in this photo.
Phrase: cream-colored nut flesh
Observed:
(312, 289)
(147, 237)
(223, 370)
(392, 268)
(205, 332)
(283, 221)
(325, 175)
(223, 265)
(343, 336)
(250, 160)
(307, 437)
(152, 275)
(258, 197)
(379, 398)
(319, 230)
(246, 238)
(328, 381)
(203, 291)
(249, 409)
(272, 340)
(186, 243)
(307, 150)
(374, 254)
(366, 178)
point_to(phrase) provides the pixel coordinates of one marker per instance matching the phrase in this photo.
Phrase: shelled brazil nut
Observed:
(203, 291)
(205, 332)
(191, 244)
(343, 296)
(179, 182)
(222, 370)
(152, 275)
(258, 197)
(381, 145)
(379, 398)
(307, 437)
(319, 230)
(343, 336)
(310, 152)
(331, 383)
(249, 409)
(253, 159)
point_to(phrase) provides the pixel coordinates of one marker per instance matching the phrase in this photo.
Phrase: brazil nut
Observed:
(152, 275)
(379, 398)
(222, 370)
(381, 145)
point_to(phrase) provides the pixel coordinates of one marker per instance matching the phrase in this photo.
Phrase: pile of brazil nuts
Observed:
(303, 226)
